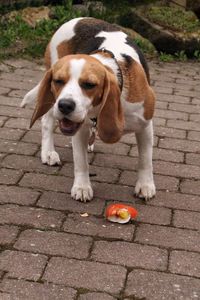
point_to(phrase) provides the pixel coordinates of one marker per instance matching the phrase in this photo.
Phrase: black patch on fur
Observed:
(84, 40)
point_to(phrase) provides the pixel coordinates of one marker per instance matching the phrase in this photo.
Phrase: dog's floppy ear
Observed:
(110, 121)
(45, 98)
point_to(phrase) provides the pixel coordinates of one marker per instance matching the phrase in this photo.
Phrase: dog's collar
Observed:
(119, 71)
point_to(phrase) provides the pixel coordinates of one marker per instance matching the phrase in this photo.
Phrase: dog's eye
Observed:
(88, 85)
(58, 81)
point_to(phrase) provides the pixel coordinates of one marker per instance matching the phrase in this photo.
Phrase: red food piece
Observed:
(120, 213)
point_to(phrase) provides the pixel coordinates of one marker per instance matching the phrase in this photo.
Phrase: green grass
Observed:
(20, 39)
(173, 18)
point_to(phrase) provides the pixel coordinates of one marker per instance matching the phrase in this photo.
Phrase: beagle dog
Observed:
(94, 71)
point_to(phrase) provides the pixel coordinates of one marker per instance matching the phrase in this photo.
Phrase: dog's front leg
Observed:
(145, 187)
(81, 189)
(48, 154)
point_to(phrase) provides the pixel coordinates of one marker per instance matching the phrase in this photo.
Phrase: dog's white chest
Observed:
(134, 116)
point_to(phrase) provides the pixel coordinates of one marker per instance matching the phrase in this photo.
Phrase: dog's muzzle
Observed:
(66, 107)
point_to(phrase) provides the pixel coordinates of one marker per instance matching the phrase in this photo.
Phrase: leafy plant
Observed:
(173, 18)
(18, 38)
(166, 57)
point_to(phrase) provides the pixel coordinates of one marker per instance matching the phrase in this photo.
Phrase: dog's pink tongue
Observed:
(68, 127)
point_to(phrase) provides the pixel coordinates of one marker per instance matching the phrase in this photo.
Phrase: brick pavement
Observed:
(49, 251)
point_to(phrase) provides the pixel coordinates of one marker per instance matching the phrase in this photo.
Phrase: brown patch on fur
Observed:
(65, 48)
(94, 72)
(136, 83)
(47, 57)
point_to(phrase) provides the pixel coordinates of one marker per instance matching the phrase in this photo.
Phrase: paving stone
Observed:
(60, 201)
(185, 263)
(190, 187)
(193, 159)
(28, 163)
(159, 122)
(36, 217)
(186, 125)
(2, 120)
(154, 285)
(168, 155)
(153, 215)
(5, 296)
(163, 90)
(173, 98)
(100, 174)
(168, 237)
(18, 147)
(194, 117)
(21, 290)
(85, 274)
(8, 234)
(121, 149)
(47, 182)
(98, 227)
(17, 93)
(194, 135)
(176, 200)
(22, 265)
(188, 108)
(169, 132)
(130, 254)
(162, 182)
(54, 243)
(16, 84)
(22, 123)
(181, 145)
(20, 78)
(170, 114)
(163, 154)
(96, 296)
(4, 90)
(115, 161)
(17, 112)
(8, 176)
(11, 134)
(113, 192)
(186, 93)
(17, 195)
(177, 170)
(186, 219)
(33, 136)
(10, 101)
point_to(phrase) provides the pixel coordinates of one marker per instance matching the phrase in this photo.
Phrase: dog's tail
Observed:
(31, 96)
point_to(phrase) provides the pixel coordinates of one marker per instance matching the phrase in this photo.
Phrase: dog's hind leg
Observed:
(31, 96)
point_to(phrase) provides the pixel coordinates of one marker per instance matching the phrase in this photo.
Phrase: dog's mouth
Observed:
(68, 127)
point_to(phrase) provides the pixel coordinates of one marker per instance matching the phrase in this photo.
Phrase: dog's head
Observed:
(76, 85)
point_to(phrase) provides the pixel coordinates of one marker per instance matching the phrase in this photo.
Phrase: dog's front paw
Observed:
(145, 189)
(50, 158)
(83, 193)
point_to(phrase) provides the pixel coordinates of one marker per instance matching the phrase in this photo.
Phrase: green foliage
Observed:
(173, 18)
(18, 38)
(145, 46)
(166, 57)
(197, 54)
(180, 56)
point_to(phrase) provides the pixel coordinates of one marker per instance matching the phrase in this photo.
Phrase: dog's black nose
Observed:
(66, 106)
